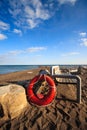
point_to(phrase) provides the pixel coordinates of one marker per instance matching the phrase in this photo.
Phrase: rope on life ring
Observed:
(45, 100)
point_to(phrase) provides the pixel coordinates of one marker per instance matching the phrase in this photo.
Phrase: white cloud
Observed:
(17, 31)
(35, 49)
(16, 52)
(71, 54)
(4, 26)
(2, 36)
(83, 34)
(83, 38)
(28, 50)
(67, 1)
(42, 13)
(36, 14)
(32, 23)
(28, 13)
(14, 56)
(84, 41)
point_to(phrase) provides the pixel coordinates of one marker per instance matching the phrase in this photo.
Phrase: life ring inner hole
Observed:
(41, 88)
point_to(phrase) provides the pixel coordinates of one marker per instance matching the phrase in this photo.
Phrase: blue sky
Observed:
(43, 32)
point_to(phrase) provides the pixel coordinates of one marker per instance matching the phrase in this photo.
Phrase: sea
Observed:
(4, 69)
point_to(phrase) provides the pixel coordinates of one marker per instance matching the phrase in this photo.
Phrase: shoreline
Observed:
(24, 75)
(6, 69)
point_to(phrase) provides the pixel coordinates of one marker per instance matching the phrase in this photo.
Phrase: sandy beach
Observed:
(61, 114)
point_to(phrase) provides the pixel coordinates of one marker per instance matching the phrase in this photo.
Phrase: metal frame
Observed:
(70, 76)
(78, 79)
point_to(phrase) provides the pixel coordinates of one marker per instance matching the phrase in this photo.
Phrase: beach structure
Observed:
(67, 79)
(55, 70)
(46, 76)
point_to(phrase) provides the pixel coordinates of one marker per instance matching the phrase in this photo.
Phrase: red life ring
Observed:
(42, 100)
